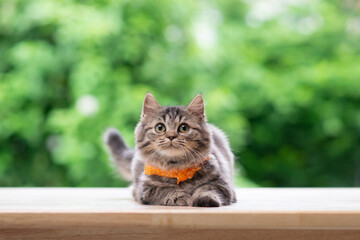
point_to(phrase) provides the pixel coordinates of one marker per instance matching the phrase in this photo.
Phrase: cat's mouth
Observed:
(172, 145)
(172, 149)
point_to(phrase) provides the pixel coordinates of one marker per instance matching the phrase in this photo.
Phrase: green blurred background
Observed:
(281, 78)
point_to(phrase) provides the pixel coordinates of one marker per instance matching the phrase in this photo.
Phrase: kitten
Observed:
(172, 140)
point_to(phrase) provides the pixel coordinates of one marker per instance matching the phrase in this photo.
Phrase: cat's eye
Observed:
(160, 128)
(184, 128)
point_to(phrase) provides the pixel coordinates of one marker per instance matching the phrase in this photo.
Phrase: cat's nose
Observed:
(171, 137)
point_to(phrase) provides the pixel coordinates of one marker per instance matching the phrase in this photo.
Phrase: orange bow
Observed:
(181, 174)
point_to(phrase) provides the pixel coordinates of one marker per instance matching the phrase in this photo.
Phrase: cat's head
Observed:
(173, 136)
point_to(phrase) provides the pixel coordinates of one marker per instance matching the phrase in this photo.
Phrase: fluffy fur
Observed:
(211, 186)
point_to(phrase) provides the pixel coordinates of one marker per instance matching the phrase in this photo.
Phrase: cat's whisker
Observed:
(202, 163)
(188, 154)
(194, 154)
(199, 153)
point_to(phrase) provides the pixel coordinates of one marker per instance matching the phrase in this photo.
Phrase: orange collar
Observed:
(181, 174)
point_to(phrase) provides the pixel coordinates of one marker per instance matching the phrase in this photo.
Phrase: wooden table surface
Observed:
(62, 212)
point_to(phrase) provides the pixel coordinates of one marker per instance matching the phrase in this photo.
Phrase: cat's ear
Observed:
(197, 107)
(150, 105)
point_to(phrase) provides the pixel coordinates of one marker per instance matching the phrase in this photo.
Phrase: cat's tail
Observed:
(121, 154)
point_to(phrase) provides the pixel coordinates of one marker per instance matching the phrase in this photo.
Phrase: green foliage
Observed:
(282, 80)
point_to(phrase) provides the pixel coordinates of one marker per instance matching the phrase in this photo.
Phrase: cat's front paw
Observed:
(177, 200)
(206, 201)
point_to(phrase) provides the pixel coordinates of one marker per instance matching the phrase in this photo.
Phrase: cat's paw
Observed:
(206, 201)
(176, 199)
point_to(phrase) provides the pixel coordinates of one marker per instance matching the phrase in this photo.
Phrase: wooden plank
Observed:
(109, 212)
(176, 234)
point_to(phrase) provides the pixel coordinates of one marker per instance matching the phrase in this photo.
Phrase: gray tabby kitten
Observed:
(176, 137)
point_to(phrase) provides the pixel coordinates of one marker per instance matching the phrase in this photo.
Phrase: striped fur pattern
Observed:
(211, 186)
